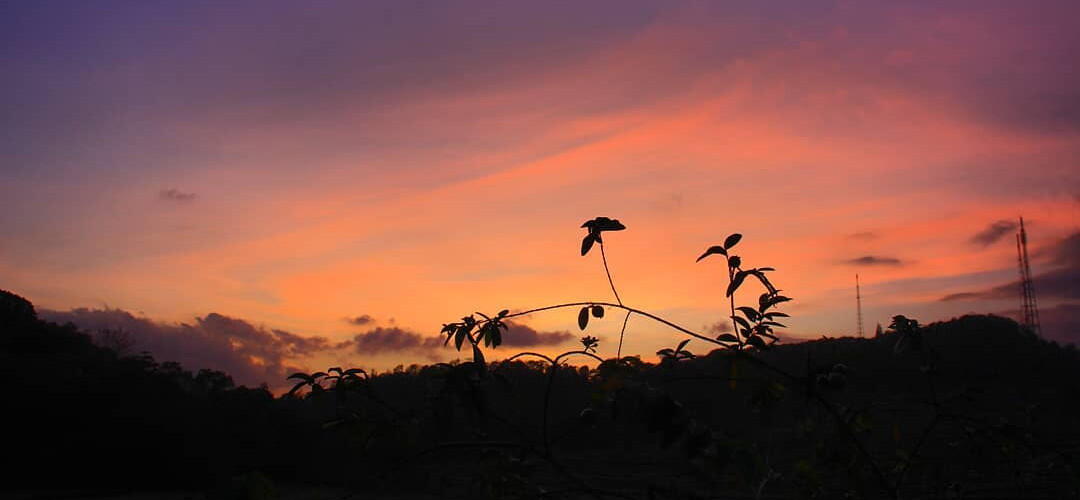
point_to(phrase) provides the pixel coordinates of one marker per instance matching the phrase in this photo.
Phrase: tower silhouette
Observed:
(1029, 307)
(858, 304)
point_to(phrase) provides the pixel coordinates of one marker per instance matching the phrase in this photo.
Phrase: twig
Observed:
(622, 332)
(603, 257)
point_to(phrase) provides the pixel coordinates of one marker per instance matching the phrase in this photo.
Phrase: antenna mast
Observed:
(858, 304)
(1029, 307)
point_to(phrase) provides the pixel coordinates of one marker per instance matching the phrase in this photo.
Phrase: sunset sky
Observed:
(268, 185)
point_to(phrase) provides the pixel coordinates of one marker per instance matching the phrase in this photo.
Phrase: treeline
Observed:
(974, 407)
(77, 415)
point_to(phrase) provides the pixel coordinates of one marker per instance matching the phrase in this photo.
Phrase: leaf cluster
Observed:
(595, 227)
(754, 325)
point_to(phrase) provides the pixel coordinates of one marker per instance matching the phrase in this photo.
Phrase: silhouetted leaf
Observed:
(757, 342)
(587, 243)
(300, 376)
(460, 337)
(296, 387)
(742, 322)
(732, 240)
(598, 311)
(734, 262)
(712, 250)
(771, 300)
(764, 281)
(604, 224)
(727, 337)
(682, 344)
(583, 317)
(503, 313)
(483, 334)
(751, 313)
(736, 282)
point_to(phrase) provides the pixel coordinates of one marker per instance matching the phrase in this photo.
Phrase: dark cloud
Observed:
(251, 354)
(519, 335)
(720, 327)
(994, 232)
(361, 320)
(382, 340)
(1066, 252)
(874, 260)
(390, 339)
(173, 194)
(961, 296)
(1062, 281)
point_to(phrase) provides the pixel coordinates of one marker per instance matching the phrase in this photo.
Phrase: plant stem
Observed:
(731, 300)
(617, 306)
(618, 353)
(603, 256)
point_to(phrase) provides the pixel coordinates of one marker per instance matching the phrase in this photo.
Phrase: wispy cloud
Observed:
(874, 260)
(361, 320)
(173, 194)
(994, 232)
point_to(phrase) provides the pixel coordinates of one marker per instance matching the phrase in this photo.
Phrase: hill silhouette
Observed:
(974, 407)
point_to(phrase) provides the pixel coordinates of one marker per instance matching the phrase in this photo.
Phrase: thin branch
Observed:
(603, 256)
(622, 333)
(579, 353)
(522, 354)
(617, 306)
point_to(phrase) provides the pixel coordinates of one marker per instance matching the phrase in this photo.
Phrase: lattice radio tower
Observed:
(858, 304)
(1029, 307)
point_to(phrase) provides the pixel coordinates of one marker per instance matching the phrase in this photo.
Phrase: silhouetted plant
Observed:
(626, 393)
(677, 354)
